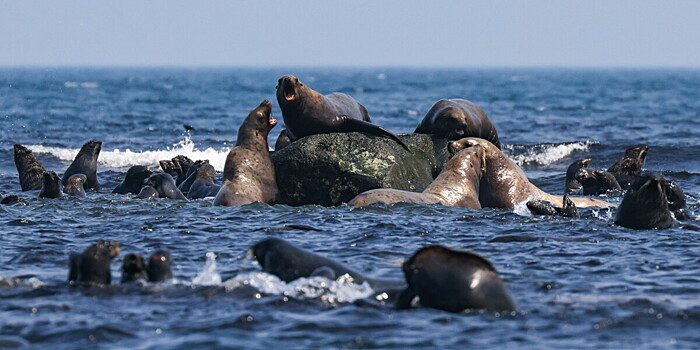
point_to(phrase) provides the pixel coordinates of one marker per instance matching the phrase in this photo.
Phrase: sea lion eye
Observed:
(296, 80)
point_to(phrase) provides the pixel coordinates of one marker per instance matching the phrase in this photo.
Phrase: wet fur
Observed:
(456, 119)
(29, 169)
(86, 163)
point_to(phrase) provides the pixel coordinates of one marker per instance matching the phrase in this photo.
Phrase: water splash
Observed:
(208, 276)
(126, 158)
(521, 209)
(544, 154)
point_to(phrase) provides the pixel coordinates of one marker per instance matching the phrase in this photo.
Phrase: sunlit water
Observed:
(579, 283)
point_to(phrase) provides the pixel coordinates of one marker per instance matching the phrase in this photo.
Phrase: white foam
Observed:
(81, 84)
(341, 290)
(126, 158)
(208, 276)
(548, 154)
(521, 209)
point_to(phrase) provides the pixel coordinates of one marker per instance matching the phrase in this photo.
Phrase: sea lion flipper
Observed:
(349, 124)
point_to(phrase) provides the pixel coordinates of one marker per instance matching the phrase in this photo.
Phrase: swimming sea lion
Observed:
(540, 207)
(148, 192)
(282, 140)
(456, 119)
(11, 199)
(51, 186)
(456, 186)
(160, 266)
(645, 206)
(133, 268)
(92, 266)
(203, 185)
(133, 180)
(504, 184)
(307, 112)
(75, 185)
(249, 174)
(453, 280)
(597, 182)
(165, 185)
(30, 170)
(629, 168)
(191, 175)
(573, 185)
(86, 163)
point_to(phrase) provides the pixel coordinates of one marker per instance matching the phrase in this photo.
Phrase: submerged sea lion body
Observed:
(30, 170)
(645, 206)
(86, 163)
(456, 186)
(133, 180)
(203, 185)
(133, 268)
(93, 265)
(75, 185)
(191, 176)
(51, 186)
(456, 119)
(249, 174)
(165, 185)
(148, 192)
(160, 267)
(307, 112)
(504, 184)
(597, 182)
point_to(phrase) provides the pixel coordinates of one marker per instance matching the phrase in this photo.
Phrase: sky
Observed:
(366, 33)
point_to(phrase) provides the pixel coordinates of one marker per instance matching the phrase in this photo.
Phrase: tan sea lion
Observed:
(456, 186)
(456, 119)
(504, 184)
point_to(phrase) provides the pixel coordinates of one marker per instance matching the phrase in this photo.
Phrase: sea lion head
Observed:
(159, 182)
(451, 123)
(257, 124)
(455, 146)
(91, 149)
(289, 90)
(102, 250)
(52, 186)
(632, 162)
(137, 174)
(133, 268)
(575, 166)
(74, 185)
(206, 171)
(160, 266)
(645, 206)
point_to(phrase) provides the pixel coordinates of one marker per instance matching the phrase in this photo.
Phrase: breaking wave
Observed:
(545, 154)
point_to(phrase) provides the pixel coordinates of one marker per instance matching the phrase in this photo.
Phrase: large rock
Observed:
(330, 169)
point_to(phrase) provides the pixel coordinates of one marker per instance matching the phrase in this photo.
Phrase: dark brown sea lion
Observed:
(629, 168)
(249, 174)
(11, 199)
(133, 180)
(93, 265)
(504, 184)
(540, 207)
(160, 266)
(282, 140)
(597, 182)
(203, 185)
(30, 170)
(86, 163)
(456, 186)
(307, 112)
(573, 186)
(456, 119)
(75, 185)
(191, 176)
(133, 268)
(51, 186)
(676, 201)
(645, 206)
(453, 280)
(165, 185)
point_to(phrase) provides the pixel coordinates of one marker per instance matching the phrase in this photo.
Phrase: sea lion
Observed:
(52, 186)
(160, 266)
(133, 268)
(540, 207)
(453, 280)
(289, 262)
(191, 175)
(282, 140)
(75, 185)
(629, 168)
(249, 174)
(30, 170)
(676, 201)
(86, 163)
(645, 206)
(456, 186)
(148, 192)
(307, 112)
(165, 185)
(203, 185)
(504, 184)
(92, 266)
(456, 119)
(11, 199)
(133, 180)
(573, 186)
(597, 182)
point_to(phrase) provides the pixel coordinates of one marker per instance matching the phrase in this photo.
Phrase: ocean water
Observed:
(579, 283)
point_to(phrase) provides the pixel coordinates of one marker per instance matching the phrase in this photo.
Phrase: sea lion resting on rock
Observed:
(203, 185)
(85, 162)
(307, 112)
(30, 170)
(92, 266)
(133, 180)
(249, 174)
(456, 186)
(75, 185)
(456, 119)
(51, 186)
(504, 184)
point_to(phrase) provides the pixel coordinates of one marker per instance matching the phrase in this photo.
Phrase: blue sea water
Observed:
(579, 283)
